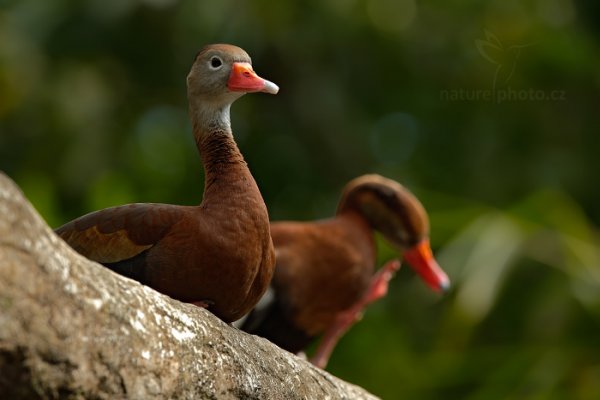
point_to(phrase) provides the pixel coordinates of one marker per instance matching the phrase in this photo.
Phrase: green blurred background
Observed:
(93, 113)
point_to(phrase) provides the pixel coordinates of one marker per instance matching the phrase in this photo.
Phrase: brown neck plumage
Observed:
(224, 166)
(221, 158)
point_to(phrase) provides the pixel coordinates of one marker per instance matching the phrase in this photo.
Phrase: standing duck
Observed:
(324, 273)
(218, 254)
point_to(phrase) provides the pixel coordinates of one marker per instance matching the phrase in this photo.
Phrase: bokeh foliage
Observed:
(93, 113)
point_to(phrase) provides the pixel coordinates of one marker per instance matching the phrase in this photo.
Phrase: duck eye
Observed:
(216, 62)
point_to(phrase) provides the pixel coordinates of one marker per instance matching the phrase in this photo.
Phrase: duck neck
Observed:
(224, 165)
(355, 217)
(358, 228)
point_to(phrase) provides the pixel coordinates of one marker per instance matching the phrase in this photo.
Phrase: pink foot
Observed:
(203, 303)
(345, 319)
(379, 282)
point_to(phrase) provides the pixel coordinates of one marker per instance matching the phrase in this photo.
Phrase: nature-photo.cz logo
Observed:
(505, 60)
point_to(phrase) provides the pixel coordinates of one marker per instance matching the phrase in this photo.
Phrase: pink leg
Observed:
(203, 303)
(345, 319)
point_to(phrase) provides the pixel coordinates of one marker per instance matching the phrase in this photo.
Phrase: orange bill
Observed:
(244, 79)
(420, 258)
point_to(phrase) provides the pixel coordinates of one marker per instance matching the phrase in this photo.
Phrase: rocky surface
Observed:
(71, 329)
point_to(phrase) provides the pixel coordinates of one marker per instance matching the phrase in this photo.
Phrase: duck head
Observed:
(401, 218)
(221, 73)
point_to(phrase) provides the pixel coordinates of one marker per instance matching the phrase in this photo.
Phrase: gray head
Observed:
(221, 73)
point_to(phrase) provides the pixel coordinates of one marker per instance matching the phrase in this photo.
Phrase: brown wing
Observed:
(274, 316)
(119, 233)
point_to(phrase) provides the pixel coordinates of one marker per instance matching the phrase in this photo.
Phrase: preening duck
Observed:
(324, 272)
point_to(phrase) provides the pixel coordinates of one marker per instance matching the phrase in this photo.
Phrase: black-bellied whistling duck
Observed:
(324, 273)
(219, 254)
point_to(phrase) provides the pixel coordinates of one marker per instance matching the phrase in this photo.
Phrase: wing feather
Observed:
(120, 233)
